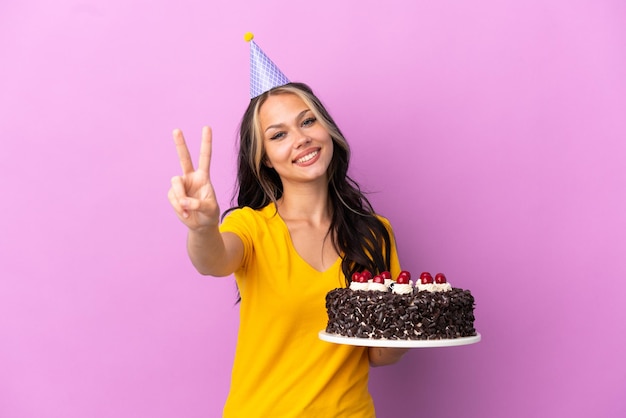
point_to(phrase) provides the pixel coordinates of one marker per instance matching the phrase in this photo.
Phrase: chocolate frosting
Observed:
(418, 316)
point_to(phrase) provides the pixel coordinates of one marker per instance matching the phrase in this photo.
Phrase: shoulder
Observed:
(266, 212)
(248, 217)
(387, 225)
(384, 221)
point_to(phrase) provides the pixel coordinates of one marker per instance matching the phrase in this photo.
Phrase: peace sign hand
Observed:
(192, 195)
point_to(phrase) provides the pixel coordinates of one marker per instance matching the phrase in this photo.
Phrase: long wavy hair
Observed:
(358, 235)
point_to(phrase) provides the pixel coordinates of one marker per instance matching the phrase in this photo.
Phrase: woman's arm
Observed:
(380, 356)
(194, 201)
(214, 254)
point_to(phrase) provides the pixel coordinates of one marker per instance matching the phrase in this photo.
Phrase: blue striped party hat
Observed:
(264, 74)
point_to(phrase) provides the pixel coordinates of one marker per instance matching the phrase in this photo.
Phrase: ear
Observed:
(267, 162)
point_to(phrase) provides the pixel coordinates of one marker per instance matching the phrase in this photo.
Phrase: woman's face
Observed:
(296, 144)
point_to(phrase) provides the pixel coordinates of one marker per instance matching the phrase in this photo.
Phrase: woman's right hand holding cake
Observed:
(193, 198)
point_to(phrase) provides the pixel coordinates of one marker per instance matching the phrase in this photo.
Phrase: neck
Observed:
(305, 202)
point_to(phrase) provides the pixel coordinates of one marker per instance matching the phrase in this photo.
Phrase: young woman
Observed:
(301, 228)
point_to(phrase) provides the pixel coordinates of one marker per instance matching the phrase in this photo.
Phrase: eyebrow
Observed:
(278, 125)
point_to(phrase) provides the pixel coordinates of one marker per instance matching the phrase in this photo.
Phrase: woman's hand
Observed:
(192, 195)
(385, 356)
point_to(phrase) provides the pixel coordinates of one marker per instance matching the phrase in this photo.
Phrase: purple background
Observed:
(490, 132)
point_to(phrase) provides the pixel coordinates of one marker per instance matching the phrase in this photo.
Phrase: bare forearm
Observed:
(385, 356)
(207, 252)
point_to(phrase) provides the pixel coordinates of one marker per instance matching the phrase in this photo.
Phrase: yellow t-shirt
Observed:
(281, 368)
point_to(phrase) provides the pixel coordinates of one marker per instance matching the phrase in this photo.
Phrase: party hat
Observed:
(264, 74)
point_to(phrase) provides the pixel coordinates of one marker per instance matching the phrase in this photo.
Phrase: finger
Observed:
(179, 193)
(171, 196)
(183, 151)
(205, 150)
(178, 186)
(191, 204)
(181, 201)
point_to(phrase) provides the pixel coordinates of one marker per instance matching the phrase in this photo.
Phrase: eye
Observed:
(309, 121)
(277, 135)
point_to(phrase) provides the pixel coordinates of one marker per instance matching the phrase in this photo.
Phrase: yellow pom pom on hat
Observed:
(264, 74)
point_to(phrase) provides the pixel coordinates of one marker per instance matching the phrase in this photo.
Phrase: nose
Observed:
(303, 140)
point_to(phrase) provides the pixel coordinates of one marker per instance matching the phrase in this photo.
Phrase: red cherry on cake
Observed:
(426, 278)
(356, 277)
(378, 279)
(386, 275)
(403, 279)
(366, 274)
(406, 274)
(440, 278)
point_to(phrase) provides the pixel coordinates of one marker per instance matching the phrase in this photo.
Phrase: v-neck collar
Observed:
(274, 213)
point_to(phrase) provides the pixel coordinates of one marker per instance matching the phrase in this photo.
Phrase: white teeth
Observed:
(307, 157)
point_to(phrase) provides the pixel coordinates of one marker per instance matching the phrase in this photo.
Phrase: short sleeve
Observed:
(241, 223)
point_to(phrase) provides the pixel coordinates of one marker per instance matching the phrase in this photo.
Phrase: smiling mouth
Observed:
(307, 157)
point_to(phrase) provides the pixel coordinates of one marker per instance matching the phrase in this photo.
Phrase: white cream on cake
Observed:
(380, 287)
(442, 287)
(359, 286)
(403, 289)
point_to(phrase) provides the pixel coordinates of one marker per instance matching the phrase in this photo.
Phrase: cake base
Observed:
(368, 342)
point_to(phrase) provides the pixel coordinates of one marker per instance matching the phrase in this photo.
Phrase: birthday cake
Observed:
(380, 308)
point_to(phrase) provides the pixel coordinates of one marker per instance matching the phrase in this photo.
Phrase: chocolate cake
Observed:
(381, 308)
